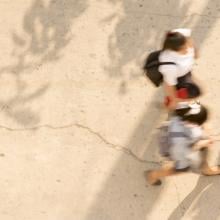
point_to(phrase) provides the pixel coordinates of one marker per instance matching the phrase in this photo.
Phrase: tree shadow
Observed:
(45, 34)
(123, 194)
(202, 203)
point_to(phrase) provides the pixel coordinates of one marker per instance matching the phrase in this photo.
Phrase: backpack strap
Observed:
(154, 64)
(178, 134)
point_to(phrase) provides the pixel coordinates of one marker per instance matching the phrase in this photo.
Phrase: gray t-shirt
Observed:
(181, 145)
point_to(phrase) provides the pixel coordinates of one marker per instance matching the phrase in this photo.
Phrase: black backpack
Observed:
(151, 68)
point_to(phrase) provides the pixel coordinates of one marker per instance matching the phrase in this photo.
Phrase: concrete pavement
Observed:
(78, 118)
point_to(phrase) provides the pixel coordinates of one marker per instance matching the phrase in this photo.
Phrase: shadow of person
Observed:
(202, 203)
(124, 194)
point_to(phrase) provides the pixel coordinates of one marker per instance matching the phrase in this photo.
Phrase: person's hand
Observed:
(203, 144)
(211, 141)
(173, 104)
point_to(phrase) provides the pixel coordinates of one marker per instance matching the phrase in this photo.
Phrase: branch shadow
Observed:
(45, 34)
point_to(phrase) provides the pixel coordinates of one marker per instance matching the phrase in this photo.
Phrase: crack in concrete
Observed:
(104, 140)
(117, 147)
(37, 127)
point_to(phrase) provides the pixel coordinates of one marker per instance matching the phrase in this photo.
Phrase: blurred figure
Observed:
(179, 49)
(187, 142)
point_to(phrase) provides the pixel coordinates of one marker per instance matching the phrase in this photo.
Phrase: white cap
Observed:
(181, 105)
(195, 109)
(184, 31)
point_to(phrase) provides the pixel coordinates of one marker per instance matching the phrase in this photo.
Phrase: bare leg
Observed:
(154, 176)
(205, 168)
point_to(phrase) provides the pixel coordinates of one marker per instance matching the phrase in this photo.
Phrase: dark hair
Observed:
(174, 41)
(198, 119)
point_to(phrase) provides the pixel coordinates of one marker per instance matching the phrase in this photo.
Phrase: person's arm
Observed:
(170, 81)
(203, 144)
(171, 92)
(192, 44)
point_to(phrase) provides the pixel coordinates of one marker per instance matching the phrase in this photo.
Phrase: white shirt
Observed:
(184, 64)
